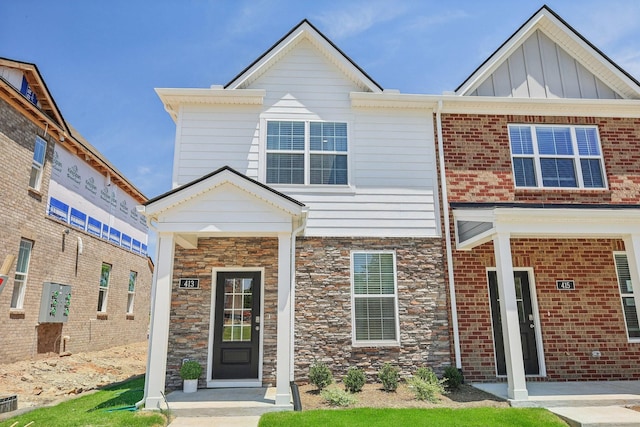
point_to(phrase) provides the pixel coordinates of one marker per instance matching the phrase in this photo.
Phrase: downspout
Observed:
(293, 295)
(447, 233)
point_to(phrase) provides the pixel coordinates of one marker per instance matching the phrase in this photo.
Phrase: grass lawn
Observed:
(365, 417)
(93, 410)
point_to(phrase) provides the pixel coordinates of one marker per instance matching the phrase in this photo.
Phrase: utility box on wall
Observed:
(55, 303)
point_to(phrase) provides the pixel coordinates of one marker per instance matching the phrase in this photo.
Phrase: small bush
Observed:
(320, 375)
(190, 370)
(453, 378)
(389, 376)
(354, 380)
(426, 374)
(426, 389)
(338, 397)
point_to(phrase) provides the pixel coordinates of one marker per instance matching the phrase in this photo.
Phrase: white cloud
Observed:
(351, 20)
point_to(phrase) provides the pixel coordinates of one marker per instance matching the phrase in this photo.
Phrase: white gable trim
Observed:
(304, 31)
(566, 37)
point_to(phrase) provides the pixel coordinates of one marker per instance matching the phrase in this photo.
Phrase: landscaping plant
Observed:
(354, 380)
(453, 378)
(389, 376)
(338, 397)
(320, 375)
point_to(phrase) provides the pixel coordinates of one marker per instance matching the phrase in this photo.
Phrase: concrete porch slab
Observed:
(598, 416)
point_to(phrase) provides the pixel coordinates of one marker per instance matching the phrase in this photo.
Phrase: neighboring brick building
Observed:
(68, 225)
(542, 162)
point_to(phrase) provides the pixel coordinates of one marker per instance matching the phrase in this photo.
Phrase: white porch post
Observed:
(517, 386)
(632, 248)
(159, 328)
(283, 396)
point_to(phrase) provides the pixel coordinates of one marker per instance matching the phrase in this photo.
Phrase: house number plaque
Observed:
(189, 284)
(565, 285)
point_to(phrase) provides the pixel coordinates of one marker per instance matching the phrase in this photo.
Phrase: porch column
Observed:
(517, 386)
(632, 248)
(159, 328)
(283, 396)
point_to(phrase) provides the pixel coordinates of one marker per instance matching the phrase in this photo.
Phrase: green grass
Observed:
(92, 410)
(366, 417)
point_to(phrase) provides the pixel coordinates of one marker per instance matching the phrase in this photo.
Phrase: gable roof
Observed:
(216, 178)
(566, 37)
(304, 30)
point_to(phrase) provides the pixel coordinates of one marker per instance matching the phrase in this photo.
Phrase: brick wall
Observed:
(478, 162)
(323, 304)
(53, 259)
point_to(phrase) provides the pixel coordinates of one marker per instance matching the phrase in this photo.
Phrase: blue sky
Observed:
(101, 60)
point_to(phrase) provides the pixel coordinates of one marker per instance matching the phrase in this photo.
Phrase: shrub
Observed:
(320, 375)
(338, 397)
(453, 377)
(426, 374)
(190, 370)
(389, 376)
(354, 380)
(428, 390)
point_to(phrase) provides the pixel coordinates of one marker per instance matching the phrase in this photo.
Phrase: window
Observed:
(22, 269)
(375, 319)
(104, 287)
(132, 291)
(626, 293)
(38, 163)
(307, 153)
(556, 156)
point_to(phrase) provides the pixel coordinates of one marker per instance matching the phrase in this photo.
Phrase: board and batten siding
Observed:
(392, 187)
(540, 68)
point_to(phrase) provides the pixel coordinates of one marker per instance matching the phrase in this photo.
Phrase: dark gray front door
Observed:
(525, 318)
(236, 329)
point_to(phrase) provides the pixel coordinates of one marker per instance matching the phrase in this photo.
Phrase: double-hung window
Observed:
(553, 156)
(38, 163)
(103, 290)
(374, 298)
(22, 270)
(626, 294)
(304, 152)
(133, 276)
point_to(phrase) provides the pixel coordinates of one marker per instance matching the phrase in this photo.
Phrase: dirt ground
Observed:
(373, 396)
(55, 378)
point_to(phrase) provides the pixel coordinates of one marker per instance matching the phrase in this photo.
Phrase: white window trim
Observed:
(377, 343)
(104, 289)
(21, 282)
(39, 167)
(576, 157)
(630, 295)
(131, 294)
(307, 155)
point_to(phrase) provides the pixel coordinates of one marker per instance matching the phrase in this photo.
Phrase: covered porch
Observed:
(224, 320)
(479, 223)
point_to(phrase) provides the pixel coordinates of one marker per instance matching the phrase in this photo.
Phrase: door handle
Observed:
(257, 328)
(531, 325)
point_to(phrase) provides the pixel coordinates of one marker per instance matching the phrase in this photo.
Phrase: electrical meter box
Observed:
(55, 303)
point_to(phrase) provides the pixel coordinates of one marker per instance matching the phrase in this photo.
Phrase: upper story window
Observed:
(552, 156)
(307, 153)
(38, 163)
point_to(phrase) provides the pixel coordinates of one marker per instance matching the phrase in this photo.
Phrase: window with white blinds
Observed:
(374, 298)
(626, 293)
(554, 156)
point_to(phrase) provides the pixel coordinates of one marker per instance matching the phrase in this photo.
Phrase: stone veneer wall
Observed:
(323, 329)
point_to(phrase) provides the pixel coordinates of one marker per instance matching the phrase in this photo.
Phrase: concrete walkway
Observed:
(580, 404)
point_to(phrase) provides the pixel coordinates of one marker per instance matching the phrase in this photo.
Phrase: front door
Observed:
(525, 317)
(236, 329)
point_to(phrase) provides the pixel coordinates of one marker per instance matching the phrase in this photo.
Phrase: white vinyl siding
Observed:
(374, 298)
(629, 308)
(22, 271)
(554, 156)
(39, 153)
